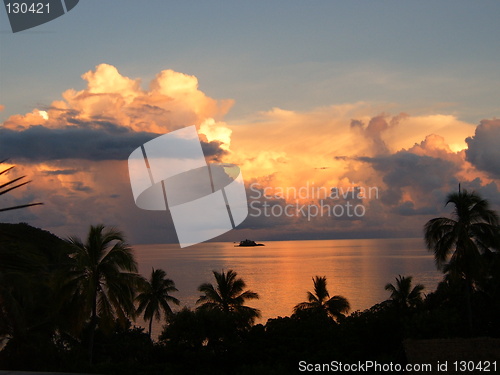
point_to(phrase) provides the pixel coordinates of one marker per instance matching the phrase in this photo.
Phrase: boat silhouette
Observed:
(249, 243)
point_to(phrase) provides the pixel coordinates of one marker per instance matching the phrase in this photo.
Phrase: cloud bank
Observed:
(75, 150)
(114, 115)
(484, 150)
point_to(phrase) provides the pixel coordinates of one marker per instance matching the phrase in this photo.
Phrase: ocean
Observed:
(281, 272)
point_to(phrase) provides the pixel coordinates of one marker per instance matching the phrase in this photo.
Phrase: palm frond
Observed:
(20, 206)
(228, 296)
(320, 301)
(338, 305)
(9, 189)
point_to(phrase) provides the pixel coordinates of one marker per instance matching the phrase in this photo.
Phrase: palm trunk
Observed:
(91, 341)
(93, 325)
(150, 326)
(468, 304)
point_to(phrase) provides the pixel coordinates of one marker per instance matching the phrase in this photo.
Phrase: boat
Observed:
(249, 243)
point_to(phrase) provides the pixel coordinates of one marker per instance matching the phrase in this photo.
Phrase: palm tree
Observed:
(8, 186)
(103, 278)
(321, 302)
(155, 297)
(403, 295)
(458, 242)
(461, 240)
(228, 297)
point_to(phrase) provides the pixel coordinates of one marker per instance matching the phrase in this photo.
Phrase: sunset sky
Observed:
(396, 96)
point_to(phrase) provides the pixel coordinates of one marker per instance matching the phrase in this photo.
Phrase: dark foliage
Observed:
(30, 263)
(218, 337)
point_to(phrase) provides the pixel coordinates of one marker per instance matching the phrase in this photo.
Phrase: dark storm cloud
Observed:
(80, 186)
(149, 109)
(65, 172)
(38, 143)
(484, 147)
(99, 123)
(89, 141)
(408, 209)
(212, 150)
(489, 191)
(426, 174)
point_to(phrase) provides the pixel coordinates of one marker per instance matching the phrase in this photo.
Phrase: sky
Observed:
(347, 119)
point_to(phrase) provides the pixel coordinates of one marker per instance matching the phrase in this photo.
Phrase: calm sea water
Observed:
(281, 272)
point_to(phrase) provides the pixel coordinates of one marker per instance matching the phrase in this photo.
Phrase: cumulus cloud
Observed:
(75, 150)
(484, 150)
(412, 179)
(289, 148)
(414, 161)
(375, 129)
(216, 132)
(113, 115)
(173, 100)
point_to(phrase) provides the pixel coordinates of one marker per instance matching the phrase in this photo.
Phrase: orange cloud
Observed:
(172, 101)
(288, 148)
(216, 132)
(413, 160)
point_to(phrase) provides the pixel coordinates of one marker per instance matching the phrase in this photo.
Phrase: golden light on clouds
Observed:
(44, 115)
(18, 122)
(323, 146)
(172, 101)
(216, 132)
(413, 129)
(76, 149)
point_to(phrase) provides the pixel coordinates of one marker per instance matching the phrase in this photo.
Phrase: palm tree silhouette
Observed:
(461, 240)
(228, 297)
(8, 186)
(458, 242)
(103, 278)
(155, 296)
(321, 302)
(403, 295)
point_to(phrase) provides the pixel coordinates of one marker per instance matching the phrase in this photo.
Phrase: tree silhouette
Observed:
(155, 297)
(103, 279)
(30, 320)
(227, 296)
(321, 302)
(458, 242)
(403, 295)
(461, 240)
